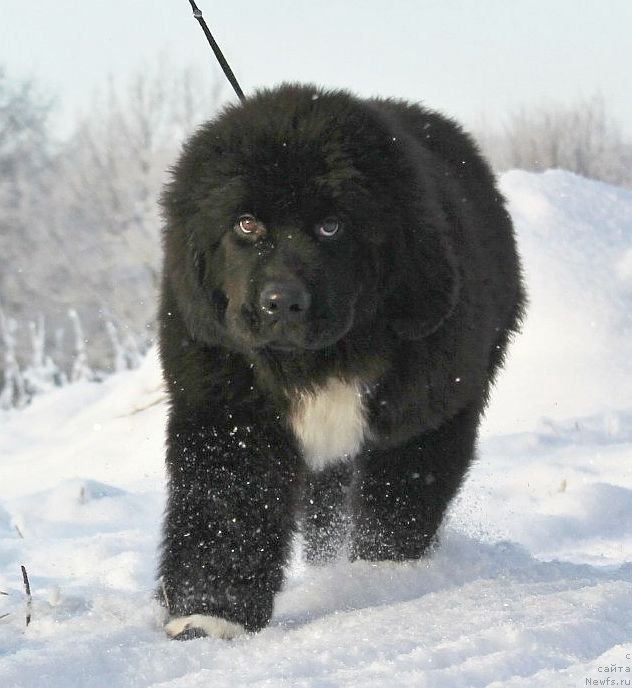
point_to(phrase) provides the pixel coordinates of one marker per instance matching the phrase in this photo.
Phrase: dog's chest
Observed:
(330, 422)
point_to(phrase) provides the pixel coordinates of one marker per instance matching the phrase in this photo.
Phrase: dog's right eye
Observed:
(249, 226)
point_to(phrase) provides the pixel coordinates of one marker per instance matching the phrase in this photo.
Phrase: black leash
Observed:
(197, 13)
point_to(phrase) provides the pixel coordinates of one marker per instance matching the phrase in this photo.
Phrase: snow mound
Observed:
(575, 238)
(530, 585)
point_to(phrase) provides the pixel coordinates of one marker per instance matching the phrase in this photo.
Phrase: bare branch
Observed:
(29, 598)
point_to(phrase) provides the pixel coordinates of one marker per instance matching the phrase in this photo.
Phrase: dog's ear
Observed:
(426, 288)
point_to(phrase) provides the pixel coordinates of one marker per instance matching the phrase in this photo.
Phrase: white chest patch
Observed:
(330, 422)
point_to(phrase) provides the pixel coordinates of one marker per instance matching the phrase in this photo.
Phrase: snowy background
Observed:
(530, 586)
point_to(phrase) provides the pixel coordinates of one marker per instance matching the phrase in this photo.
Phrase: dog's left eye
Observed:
(329, 227)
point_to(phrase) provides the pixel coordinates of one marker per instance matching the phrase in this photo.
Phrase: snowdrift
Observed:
(531, 584)
(575, 237)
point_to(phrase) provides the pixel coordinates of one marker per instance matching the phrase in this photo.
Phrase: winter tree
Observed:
(582, 138)
(79, 221)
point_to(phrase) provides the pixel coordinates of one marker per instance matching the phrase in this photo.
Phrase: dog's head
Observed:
(290, 219)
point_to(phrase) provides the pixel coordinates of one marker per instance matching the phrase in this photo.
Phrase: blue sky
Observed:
(472, 59)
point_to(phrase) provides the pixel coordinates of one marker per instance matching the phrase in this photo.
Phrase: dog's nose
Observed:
(284, 301)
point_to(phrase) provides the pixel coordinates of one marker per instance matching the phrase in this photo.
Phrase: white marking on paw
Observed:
(213, 626)
(330, 422)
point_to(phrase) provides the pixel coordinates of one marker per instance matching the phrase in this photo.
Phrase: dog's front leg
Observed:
(228, 527)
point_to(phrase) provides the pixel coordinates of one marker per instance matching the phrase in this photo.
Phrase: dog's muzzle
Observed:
(284, 303)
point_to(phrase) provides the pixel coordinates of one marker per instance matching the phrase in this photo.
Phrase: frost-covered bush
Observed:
(44, 369)
(581, 137)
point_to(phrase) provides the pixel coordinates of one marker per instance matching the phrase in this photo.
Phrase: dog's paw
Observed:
(200, 625)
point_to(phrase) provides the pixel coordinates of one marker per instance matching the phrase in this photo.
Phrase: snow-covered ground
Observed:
(532, 582)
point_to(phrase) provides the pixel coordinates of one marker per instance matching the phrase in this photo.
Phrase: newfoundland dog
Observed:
(340, 284)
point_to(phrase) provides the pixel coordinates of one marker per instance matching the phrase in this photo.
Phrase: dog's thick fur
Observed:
(340, 284)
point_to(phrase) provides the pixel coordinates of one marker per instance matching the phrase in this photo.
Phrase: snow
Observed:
(531, 584)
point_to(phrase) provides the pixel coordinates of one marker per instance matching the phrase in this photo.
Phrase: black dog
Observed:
(340, 284)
